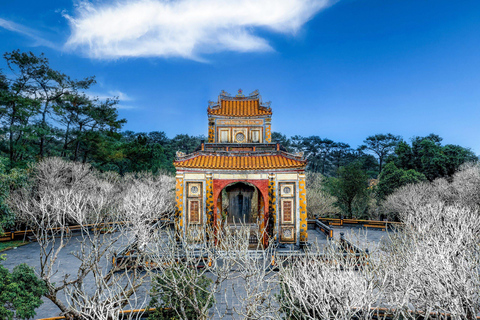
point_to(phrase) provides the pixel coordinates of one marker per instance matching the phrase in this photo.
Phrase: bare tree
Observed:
(333, 285)
(227, 261)
(320, 202)
(432, 265)
(254, 280)
(68, 202)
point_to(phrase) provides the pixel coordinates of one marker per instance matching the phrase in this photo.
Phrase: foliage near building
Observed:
(350, 188)
(320, 202)
(393, 178)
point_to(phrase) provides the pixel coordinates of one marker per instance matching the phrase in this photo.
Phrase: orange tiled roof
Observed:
(239, 108)
(240, 162)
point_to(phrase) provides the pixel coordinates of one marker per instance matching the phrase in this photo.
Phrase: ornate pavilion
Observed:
(239, 175)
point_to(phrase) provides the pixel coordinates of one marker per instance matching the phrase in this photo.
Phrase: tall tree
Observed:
(36, 80)
(296, 143)
(381, 145)
(97, 119)
(282, 139)
(69, 111)
(17, 107)
(350, 185)
(340, 153)
(318, 153)
(427, 156)
(185, 143)
(392, 178)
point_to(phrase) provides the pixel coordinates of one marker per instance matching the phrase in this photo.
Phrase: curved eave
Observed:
(268, 162)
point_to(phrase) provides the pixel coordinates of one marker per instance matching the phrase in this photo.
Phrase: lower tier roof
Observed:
(230, 162)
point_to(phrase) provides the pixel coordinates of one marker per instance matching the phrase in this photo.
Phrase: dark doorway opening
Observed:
(240, 204)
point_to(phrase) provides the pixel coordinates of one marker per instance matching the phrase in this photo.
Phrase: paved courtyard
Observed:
(228, 301)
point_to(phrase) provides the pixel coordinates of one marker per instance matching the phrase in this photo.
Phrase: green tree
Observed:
(95, 121)
(350, 185)
(35, 78)
(142, 154)
(456, 156)
(427, 156)
(318, 153)
(381, 145)
(20, 292)
(17, 108)
(282, 139)
(9, 180)
(340, 154)
(392, 178)
(185, 143)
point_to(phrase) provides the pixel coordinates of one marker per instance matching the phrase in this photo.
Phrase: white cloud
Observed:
(125, 107)
(122, 96)
(21, 29)
(183, 28)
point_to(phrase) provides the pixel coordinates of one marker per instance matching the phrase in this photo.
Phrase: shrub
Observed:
(20, 292)
(176, 302)
(319, 201)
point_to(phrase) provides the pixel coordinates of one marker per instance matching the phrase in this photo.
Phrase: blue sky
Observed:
(342, 70)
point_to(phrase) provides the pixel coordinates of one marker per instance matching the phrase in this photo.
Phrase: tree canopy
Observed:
(427, 156)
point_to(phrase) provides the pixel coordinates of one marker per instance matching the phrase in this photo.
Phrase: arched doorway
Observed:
(242, 203)
(239, 208)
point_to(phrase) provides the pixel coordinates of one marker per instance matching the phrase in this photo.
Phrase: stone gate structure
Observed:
(239, 175)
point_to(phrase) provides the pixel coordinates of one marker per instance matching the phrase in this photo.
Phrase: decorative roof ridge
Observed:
(225, 96)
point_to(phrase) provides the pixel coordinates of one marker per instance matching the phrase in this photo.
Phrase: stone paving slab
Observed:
(227, 299)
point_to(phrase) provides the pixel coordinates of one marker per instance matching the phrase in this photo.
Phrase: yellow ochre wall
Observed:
(179, 203)
(272, 202)
(268, 130)
(209, 200)
(211, 131)
(303, 208)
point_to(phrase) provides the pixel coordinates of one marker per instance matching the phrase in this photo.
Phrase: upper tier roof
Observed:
(239, 105)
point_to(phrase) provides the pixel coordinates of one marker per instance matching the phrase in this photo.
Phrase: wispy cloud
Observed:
(26, 31)
(125, 107)
(122, 97)
(183, 28)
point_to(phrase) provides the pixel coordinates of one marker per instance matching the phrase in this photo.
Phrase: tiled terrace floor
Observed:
(227, 300)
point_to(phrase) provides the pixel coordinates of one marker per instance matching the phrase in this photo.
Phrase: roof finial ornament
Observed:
(240, 93)
(224, 93)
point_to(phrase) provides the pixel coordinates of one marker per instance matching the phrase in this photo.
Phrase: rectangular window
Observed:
(287, 211)
(224, 136)
(255, 136)
(194, 210)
